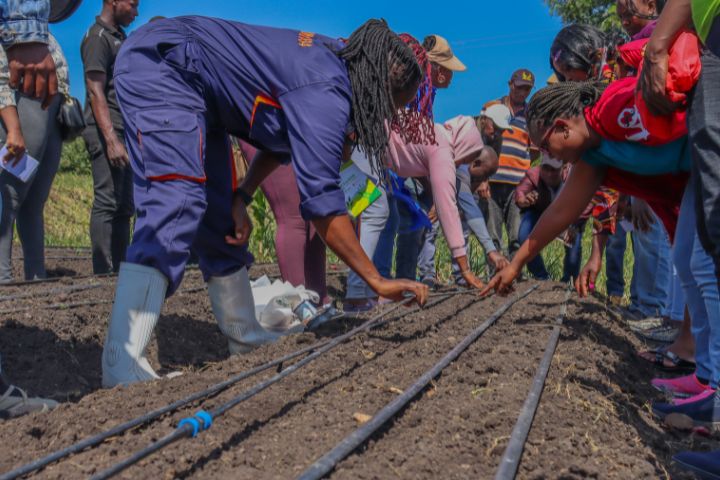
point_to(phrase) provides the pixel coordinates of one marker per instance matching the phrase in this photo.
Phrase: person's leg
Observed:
(165, 115)
(409, 242)
(615, 263)
(316, 264)
(512, 219)
(104, 205)
(495, 215)
(282, 194)
(371, 226)
(677, 298)
(704, 132)
(122, 216)
(536, 266)
(308, 241)
(30, 222)
(652, 270)
(224, 266)
(383, 257)
(426, 257)
(573, 257)
(685, 248)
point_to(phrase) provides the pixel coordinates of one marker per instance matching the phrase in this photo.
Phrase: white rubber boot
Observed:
(232, 302)
(139, 297)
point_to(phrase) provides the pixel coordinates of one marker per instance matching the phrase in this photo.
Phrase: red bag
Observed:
(616, 116)
(684, 65)
(622, 115)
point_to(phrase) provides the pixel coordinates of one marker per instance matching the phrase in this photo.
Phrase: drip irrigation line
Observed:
(190, 268)
(202, 420)
(327, 462)
(23, 283)
(60, 257)
(72, 289)
(155, 414)
(71, 305)
(513, 452)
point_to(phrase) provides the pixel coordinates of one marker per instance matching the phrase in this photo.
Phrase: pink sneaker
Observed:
(695, 398)
(680, 387)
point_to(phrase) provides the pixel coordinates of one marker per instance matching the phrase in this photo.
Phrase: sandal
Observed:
(662, 354)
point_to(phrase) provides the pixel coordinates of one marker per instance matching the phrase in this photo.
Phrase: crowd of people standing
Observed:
(625, 137)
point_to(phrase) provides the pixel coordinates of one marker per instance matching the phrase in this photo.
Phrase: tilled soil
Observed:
(593, 421)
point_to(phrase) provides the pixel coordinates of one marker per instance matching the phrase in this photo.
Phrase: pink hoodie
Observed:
(458, 138)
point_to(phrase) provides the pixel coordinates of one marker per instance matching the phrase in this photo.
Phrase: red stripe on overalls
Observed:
(262, 99)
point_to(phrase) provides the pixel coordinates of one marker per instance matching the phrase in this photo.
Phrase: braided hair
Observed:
(560, 100)
(415, 123)
(379, 63)
(583, 47)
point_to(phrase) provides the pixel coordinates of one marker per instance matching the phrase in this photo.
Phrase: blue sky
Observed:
(493, 38)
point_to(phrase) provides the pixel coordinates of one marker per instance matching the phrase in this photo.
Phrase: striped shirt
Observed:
(514, 159)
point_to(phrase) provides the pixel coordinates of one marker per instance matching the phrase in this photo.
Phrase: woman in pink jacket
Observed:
(458, 141)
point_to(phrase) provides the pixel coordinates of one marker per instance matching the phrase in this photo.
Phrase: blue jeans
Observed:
(652, 271)
(675, 308)
(536, 266)
(415, 248)
(697, 275)
(426, 258)
(615, 261)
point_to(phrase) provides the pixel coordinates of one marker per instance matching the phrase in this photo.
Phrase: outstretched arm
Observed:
(584, 179)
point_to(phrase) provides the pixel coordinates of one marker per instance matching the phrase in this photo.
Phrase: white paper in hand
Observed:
(24, 168)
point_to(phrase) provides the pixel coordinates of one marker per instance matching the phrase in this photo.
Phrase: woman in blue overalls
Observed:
(184, 84)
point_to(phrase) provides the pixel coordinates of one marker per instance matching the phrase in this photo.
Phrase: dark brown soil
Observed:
(593, 421)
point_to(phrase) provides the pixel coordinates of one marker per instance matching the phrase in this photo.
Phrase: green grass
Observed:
(67, 211)
(67, 218)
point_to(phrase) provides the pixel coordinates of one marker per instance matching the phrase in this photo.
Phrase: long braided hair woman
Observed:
(378, 225)
(300, 98)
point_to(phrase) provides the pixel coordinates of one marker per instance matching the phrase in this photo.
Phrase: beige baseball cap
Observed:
(500, 115)
(443, 55)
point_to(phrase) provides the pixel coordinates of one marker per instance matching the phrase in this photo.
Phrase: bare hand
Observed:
(498, 260)
(472, 280)
(15, 144)
(585, 283)
(33, 63)
(397, 290)
(116, 153)
(642, 216)
(243, 224)
(484, 190)
(528, 199)
(432, 214)
(502, 282)
(652, 82)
